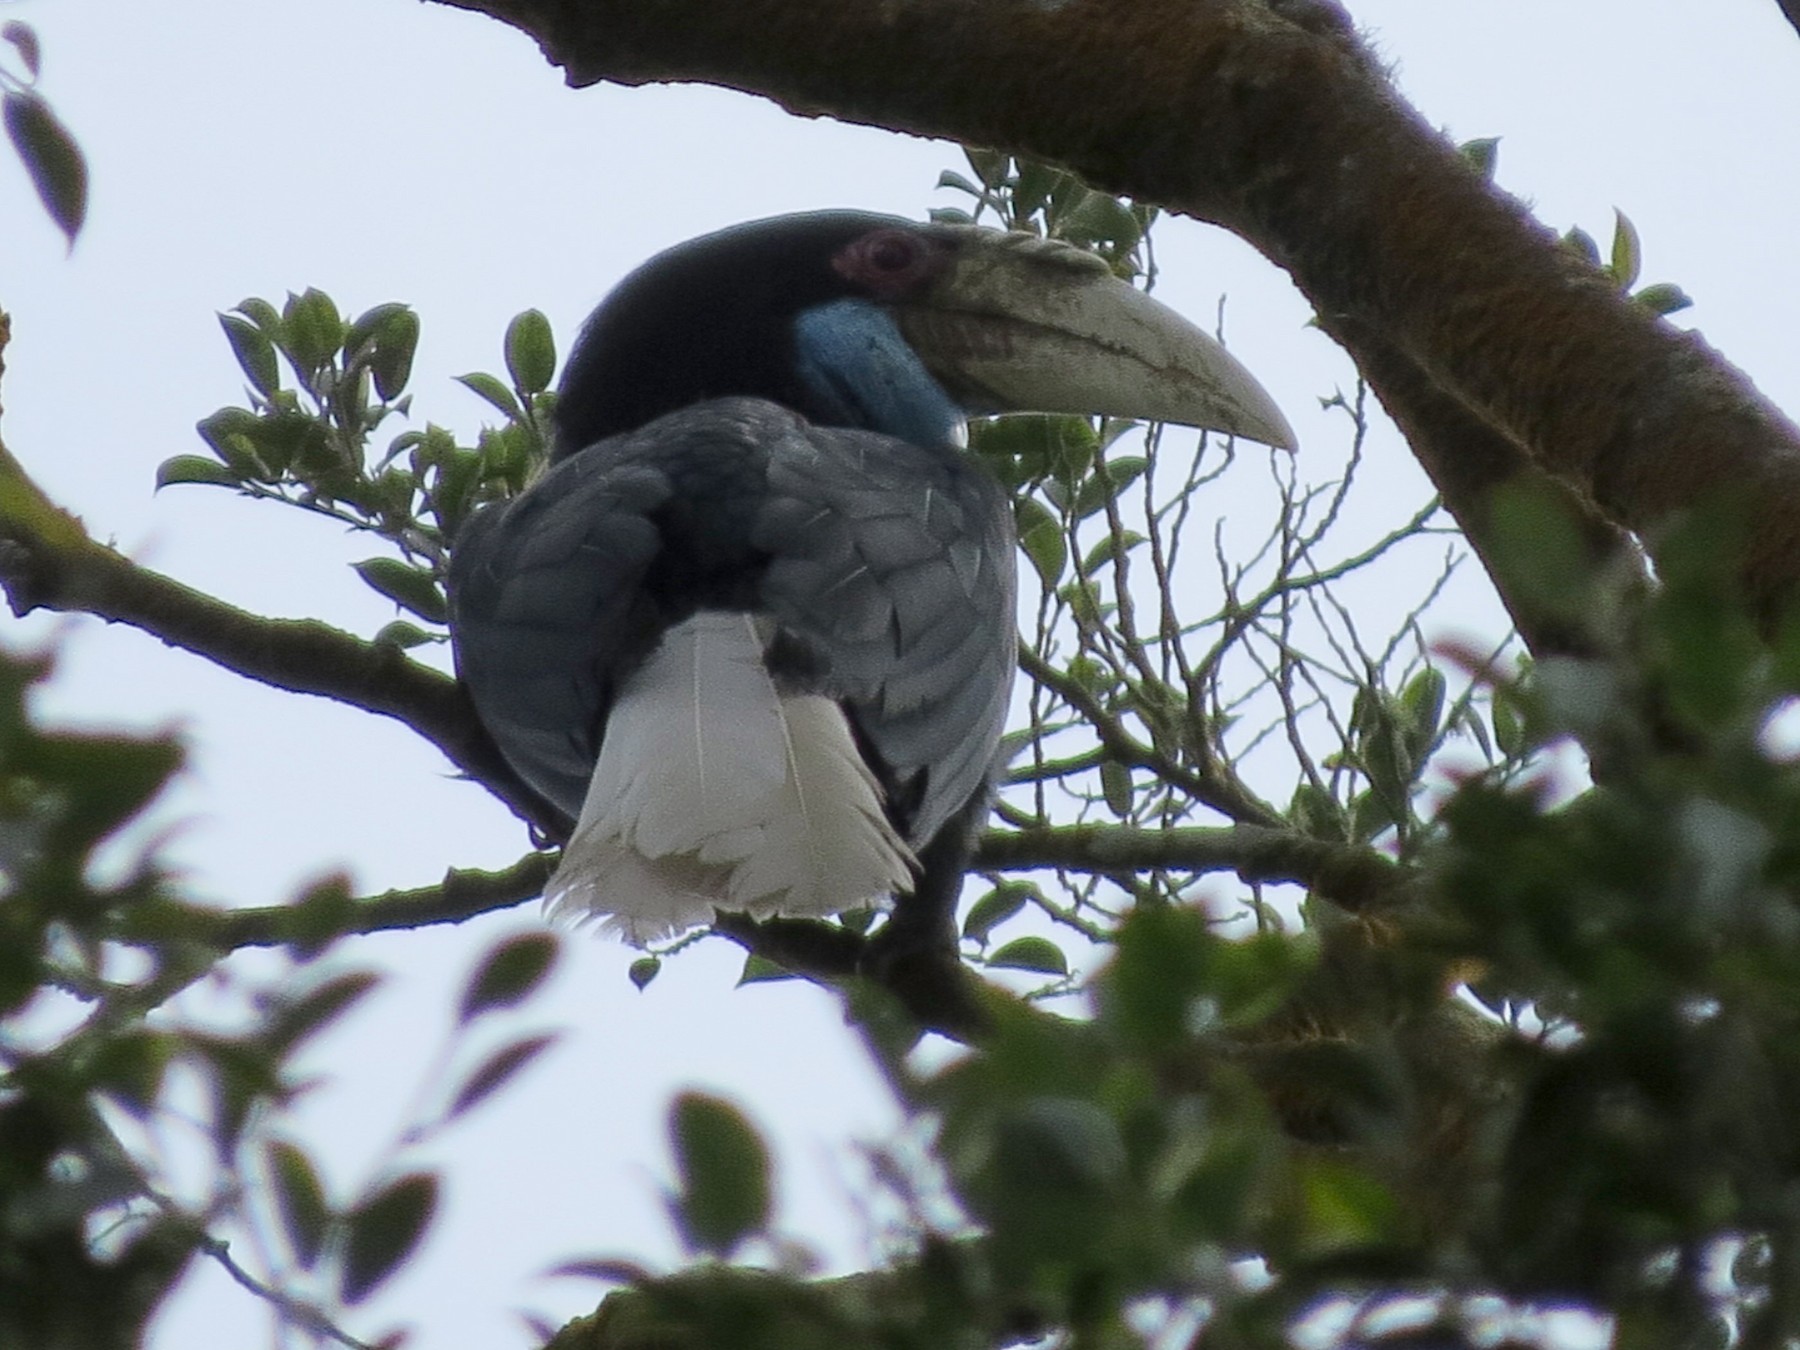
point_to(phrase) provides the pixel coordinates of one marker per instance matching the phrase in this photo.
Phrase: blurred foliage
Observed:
(106, 1085)
(1539, 1089)
(48, 149)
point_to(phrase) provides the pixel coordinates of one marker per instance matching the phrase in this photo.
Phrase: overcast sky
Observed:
(388, 150)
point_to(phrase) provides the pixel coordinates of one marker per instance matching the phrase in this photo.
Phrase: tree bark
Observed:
(1271, 118)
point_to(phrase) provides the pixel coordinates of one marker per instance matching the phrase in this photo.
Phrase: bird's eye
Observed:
(888, 263)
(893, 252)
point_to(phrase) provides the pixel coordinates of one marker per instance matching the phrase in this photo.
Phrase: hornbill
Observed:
(752, 630)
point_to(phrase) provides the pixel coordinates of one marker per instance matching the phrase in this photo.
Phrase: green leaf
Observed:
(1627, 252)
(299, 1199)
(130, 1065)
(1579, 242)
(1483, 155)
(404, 635)
(1342, 1208)
(1107, 482)
(1111, 548)
(1371, 812)
(761, 970)
(991, 166)
(1422, 710)
(390, 335)
(530, 353)
(1031, 953)
(995, 908)
(51, 157)
(313, 330)
(496, 1071)
(724, 1173)
(494, 392)
(1115, 786)
(1032, 188)
(1664, 298)
(1041, 536)
(412, 588)
(194, 469)
(508, 973)
(1509, 726)
(382, 1232)
(643, 970)
(1174, 978)
(264, 316)
(1316, 812)
(1101, 219)
(254, 352)
(949, 178)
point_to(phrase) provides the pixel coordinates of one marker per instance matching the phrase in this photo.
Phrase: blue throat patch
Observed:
(863, 374)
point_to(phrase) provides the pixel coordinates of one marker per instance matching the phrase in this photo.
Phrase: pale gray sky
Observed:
(388, 150)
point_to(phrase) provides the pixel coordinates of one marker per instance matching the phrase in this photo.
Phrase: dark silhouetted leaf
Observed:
(508, 973)
(300, 1198)
(995, 908)
(24, 40)
(1031, 953)
(313, 1010)
(613, 1270)
(761, 970)
(57, 167)
(382, 1232)
(494, 1072)
(131, 1066)
(643, 970)
(724, 1170)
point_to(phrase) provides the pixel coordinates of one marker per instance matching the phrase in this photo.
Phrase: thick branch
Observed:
(1269, 117)
(1468, 460)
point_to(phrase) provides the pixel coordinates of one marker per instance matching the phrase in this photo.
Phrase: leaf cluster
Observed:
(320, 386)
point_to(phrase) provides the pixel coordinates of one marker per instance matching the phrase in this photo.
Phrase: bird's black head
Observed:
(859, 320)
(722, 315)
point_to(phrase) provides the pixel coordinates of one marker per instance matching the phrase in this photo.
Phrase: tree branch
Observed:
(463, 894)
(49, 561)
(1356, 879)
(1467, 460)
(1271, 118)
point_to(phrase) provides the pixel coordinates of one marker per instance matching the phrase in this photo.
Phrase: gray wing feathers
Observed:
(539, 588)
(892, 563)
(898, 561)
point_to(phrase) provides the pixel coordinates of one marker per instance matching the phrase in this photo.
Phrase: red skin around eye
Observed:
(890, 264)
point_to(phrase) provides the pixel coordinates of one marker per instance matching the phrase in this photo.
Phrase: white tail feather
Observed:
(716, 791)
